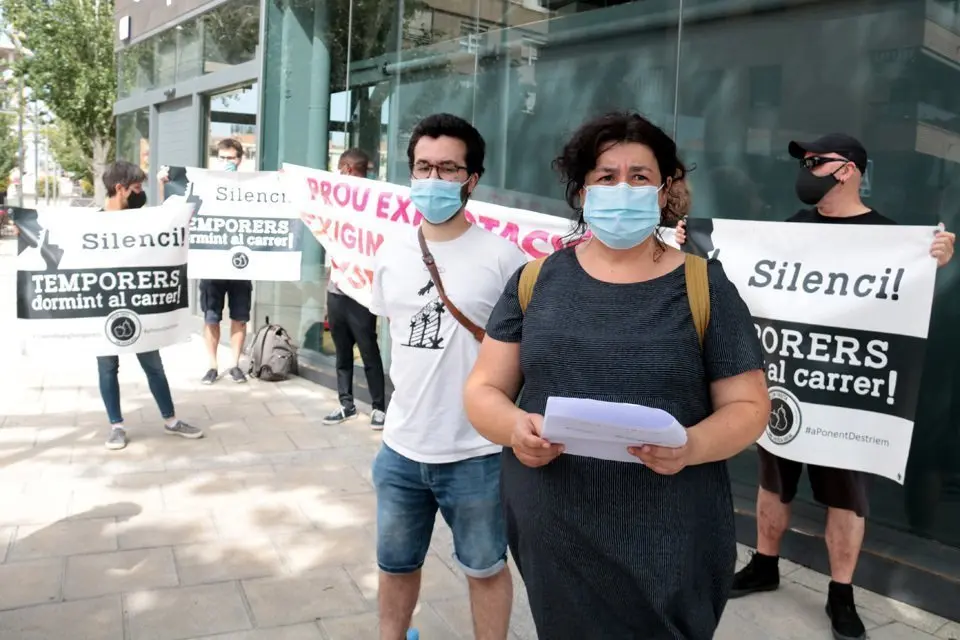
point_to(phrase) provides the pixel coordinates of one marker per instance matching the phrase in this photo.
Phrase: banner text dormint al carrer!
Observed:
(103, 283)
(244, 227)
(842, 313)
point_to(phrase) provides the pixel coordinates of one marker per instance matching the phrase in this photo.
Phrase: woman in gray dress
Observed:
(618, 550)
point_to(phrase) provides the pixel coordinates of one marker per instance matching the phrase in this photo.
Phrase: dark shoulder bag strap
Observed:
(431, 264)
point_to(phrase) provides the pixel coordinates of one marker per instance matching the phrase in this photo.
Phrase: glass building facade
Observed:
(732, 80)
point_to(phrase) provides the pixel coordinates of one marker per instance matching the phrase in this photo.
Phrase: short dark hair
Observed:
(355, 155)
(445, 124)
(123, 173)
(231, 144)
(579, 156)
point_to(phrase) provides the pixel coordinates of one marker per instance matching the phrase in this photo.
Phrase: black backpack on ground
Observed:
(273, 354)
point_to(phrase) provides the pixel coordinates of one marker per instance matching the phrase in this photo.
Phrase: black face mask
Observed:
(811, 189)
(136, 199)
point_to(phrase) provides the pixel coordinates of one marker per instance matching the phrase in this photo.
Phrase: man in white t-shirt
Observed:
(432, 458)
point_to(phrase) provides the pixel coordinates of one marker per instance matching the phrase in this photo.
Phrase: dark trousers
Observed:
(109, 367)
(351, 324)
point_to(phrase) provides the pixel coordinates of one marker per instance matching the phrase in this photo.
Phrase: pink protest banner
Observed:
(353, 217)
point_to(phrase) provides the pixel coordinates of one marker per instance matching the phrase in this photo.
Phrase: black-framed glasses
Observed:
(813, 162)
(445, 170)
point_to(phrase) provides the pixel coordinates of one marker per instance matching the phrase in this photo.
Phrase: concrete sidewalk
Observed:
(263, 530)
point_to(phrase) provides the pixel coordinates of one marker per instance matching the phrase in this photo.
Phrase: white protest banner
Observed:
(842, 312)
(243, 229)
(353, 217)
(103, 283)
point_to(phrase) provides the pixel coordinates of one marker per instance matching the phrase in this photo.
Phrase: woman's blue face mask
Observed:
(622, 216)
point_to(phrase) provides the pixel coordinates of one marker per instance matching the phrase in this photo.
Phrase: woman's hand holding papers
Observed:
(528, 446)
(668, 461)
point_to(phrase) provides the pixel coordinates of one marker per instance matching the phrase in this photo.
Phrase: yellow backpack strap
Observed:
(698, 293)
(528, 280)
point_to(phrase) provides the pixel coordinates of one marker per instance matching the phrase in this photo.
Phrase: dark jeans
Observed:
(109, 367)
(351, 324)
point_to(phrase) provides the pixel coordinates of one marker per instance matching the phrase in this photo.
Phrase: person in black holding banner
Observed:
(351, 324)
(238, 294)
(829, 178)
(124, 183)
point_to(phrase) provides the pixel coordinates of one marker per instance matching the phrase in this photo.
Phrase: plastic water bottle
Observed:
(413, 634)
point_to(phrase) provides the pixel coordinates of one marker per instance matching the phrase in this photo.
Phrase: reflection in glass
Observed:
(233, 114)
(133, 138)
(230, 36)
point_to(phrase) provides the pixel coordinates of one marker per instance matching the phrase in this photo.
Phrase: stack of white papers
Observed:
(604, 430)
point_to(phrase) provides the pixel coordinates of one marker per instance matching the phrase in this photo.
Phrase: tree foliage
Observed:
(9, 146)
(70, 152)
(72, 67)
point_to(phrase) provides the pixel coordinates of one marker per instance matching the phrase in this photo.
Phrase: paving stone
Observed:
(41, 507)
(899, 631)
(950, 631)
(166, 529)
(308, 438)
(95, 619)
(64, 538)
(733, 627)
(29, 583)
(246, 410)
(437, 580)
(331, 513)
(283, 408)
(225, 560)
(257, 443)
(302, 598)
(261, 517)
(292, 632)
(104, 573)
(882, 608)
(425, 619)
(794, 611)
(309, 550)
(6, 537)
(100, 502)
(187, 612)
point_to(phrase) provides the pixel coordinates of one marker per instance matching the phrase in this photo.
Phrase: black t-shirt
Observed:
(812, 215)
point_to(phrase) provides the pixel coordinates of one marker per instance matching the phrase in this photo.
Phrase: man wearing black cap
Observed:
(831, 170)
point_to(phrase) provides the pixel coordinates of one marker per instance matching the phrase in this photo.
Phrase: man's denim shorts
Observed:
(467, 493)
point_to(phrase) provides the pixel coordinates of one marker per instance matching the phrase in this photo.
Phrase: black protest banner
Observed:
(123, 287)
(842, 314)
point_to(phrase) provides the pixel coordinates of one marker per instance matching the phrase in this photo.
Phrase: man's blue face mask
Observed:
(438, 200)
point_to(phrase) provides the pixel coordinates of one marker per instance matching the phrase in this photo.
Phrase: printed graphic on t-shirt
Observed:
(425, 324)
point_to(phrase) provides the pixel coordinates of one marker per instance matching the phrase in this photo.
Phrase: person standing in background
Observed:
(214, 293)
(828, 182)
(124, 183)
(351, 324)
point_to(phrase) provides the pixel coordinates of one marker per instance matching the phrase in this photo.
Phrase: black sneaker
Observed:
(237, 375)
(762, 573)
(340, 415)
(844, 619)
(377, 420)
(210, 377)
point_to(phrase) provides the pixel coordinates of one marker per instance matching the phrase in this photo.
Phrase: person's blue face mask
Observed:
(230, 166)
(622, 216)
(438, 200)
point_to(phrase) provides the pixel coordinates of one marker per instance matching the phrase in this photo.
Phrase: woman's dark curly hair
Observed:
(579, 157)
